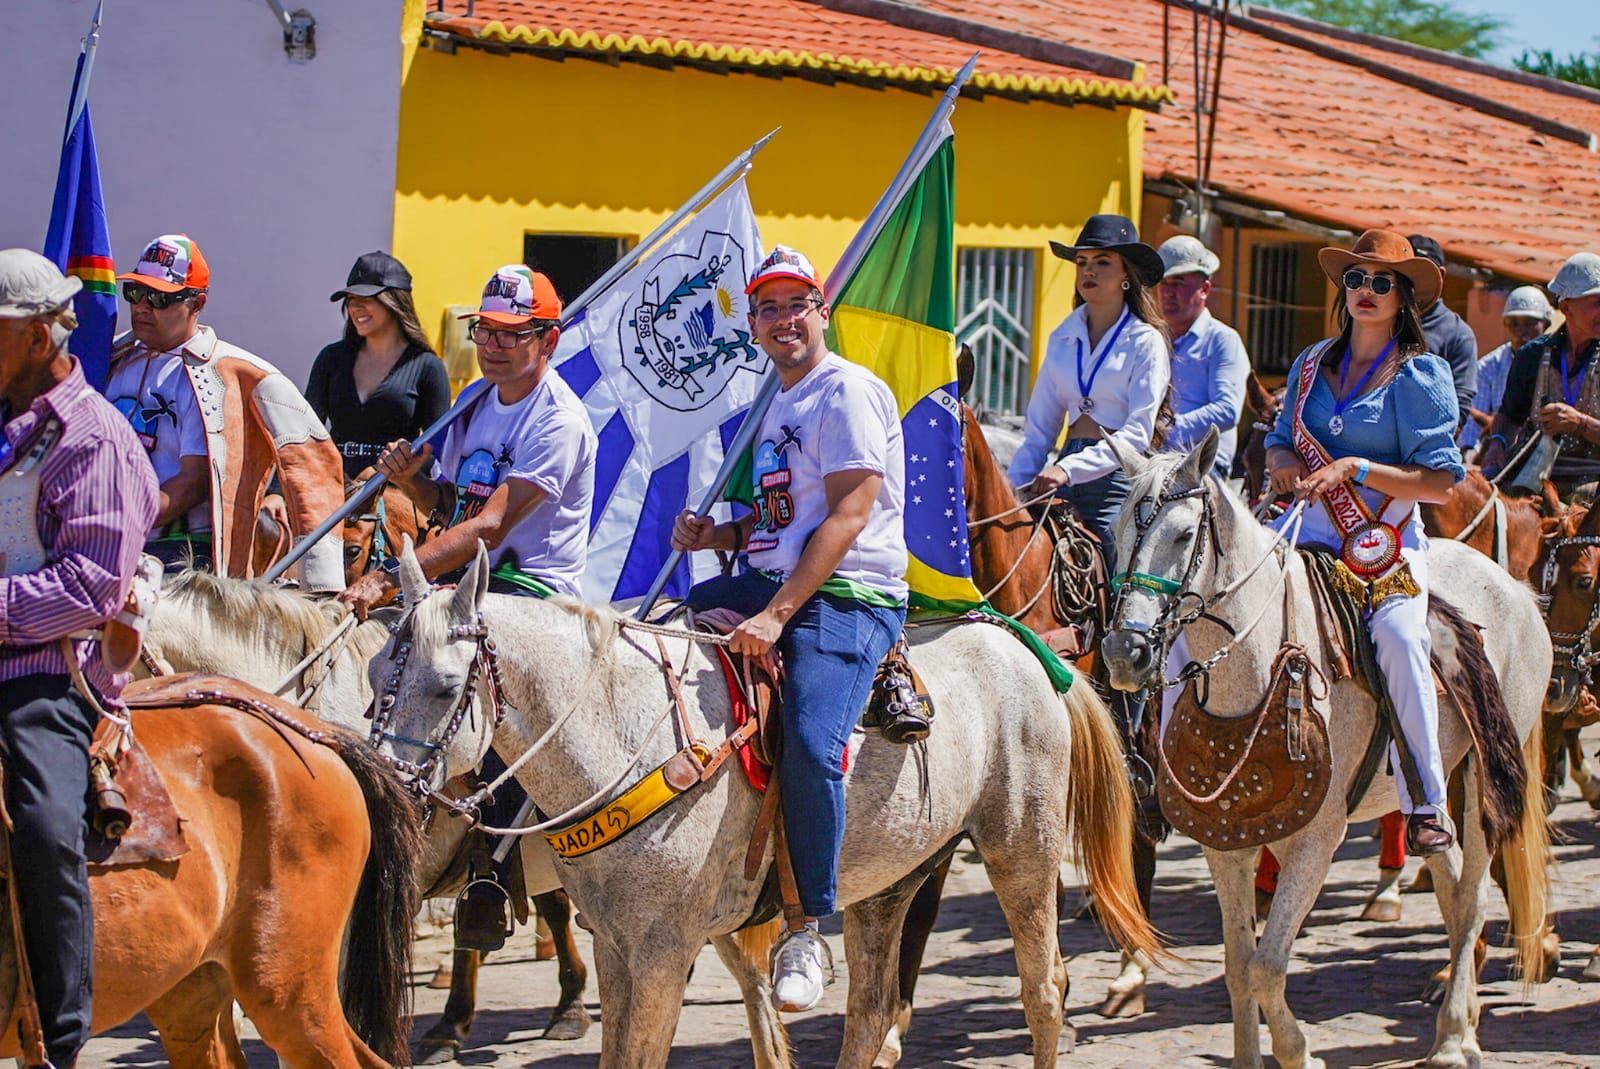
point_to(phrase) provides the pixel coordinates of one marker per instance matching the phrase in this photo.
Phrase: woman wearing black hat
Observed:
(382, 380)
(1106, 369)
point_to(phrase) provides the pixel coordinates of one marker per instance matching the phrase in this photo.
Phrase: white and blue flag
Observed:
(665, 363)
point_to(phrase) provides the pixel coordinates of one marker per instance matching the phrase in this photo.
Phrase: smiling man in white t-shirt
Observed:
(826, 582)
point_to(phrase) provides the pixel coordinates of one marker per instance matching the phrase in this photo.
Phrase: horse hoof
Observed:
(1067, 1042)
(1591, 971)
(544, 948)
(1123, 1004)
(1422, 883)
(573, 1024)
(1382, 911)
(438, 1053)
(442, 979)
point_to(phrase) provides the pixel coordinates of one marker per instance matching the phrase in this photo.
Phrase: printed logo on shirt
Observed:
(146, 420)
(774, 505)
(476, 478)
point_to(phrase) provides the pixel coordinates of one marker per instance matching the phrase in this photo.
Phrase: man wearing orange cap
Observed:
(218, 423)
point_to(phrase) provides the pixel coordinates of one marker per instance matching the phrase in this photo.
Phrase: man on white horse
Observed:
(76, 498)
(826, 583)
(519, 476)
(219, 424)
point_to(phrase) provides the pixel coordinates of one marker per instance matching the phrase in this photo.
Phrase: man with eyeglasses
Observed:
(1209, 363)
(518, 474)
(826, 583)
(1553, 388)
(219, 423)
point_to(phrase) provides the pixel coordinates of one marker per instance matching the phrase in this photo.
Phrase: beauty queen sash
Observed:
(1371, 547)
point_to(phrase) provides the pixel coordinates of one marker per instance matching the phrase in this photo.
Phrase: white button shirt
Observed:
(1126, 395)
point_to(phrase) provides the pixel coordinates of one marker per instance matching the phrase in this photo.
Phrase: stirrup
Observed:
(483, 918)
(783, 941)
(907, 725)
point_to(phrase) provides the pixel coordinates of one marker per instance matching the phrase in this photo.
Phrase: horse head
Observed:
(1160, 539)
(1571, 580)
(427, 716)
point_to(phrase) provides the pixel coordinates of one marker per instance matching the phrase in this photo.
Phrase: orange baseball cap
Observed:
(517, 294)
(170, 263)
(783, 262)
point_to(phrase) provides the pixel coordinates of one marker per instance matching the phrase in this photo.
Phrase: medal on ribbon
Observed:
(1086, 385)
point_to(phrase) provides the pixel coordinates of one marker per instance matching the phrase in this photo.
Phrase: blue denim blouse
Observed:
(1411, 419)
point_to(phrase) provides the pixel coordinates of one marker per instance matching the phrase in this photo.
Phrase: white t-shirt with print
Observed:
(840, 417)
(152, 391)
(546, 439)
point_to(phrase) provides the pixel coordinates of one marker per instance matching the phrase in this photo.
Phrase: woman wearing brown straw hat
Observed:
(1105, 371)
(1366, 433)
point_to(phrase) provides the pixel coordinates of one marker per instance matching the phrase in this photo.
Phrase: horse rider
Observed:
(1209, 362)
(1526, 315)
(826, 579)
(1552, 389)
(1106, 370)
(518, 475)
(1449, 336)
(220, 424)
(1367, 432)
(76, 496)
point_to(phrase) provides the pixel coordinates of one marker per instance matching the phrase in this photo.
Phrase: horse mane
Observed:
(431, 622)
(248, 609)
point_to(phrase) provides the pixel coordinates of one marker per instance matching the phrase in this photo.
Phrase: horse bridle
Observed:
(485, 664)
(1572, 649)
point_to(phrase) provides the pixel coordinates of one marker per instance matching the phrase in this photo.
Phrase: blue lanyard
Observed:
(1569, 390)
(1106, 345)
(1344, 399)
(5, 443)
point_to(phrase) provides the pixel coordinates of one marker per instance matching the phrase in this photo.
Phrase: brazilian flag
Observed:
(896, 315)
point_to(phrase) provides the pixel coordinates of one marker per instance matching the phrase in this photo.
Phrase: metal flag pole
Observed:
(80, 96)
(737, 166)
(848, 261)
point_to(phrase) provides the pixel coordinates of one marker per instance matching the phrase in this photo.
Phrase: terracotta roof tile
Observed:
(779, 35)
(1330, 142)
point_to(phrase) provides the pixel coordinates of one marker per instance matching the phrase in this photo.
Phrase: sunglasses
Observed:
(1355, 278)
(505, 339)
(134, 294)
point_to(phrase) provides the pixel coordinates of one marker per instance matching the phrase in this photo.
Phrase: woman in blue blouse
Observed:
(1106, 369)
(1368, 431)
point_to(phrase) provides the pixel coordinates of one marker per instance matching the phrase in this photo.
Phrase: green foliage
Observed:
(1432, 23)
(1580, 67)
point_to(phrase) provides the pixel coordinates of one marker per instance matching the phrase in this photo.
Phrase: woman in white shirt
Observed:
(1106, 369)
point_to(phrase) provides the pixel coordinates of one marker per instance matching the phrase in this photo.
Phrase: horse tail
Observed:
(756, 942)
(375, 984)
(1527, 858)
(1100, 804)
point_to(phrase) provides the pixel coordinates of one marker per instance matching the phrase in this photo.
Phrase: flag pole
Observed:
(849, 260)
(80, 96)
(737, 166)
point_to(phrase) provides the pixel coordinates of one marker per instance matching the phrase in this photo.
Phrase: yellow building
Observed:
(558, 134)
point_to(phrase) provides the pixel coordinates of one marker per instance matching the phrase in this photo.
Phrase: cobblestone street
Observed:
(1355, 986)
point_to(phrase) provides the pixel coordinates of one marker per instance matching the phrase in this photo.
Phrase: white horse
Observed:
(1181, 511)
(1005, 764)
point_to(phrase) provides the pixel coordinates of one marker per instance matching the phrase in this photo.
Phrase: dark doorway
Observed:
(572, 261)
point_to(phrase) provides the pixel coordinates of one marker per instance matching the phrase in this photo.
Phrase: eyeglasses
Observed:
(505, 339)
(772, 312)
(1355, 278)
(134, 294)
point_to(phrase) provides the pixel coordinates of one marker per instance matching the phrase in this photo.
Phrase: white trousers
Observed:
(1399, 630)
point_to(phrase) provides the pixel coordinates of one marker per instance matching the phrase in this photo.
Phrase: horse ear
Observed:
(966, 372)
(468, 599)
(1199, 462)
(1132, 463)
(413, 584)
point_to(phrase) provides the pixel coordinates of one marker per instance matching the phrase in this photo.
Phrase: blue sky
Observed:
(1562, 26)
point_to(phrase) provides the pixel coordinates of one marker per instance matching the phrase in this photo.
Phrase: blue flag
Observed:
(79, 240)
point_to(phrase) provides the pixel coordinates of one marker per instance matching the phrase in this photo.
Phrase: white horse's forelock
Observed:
(1147, 483)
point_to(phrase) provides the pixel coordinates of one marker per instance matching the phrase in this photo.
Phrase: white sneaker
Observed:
(802, 967)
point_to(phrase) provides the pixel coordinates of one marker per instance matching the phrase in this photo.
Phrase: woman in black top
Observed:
(381, 381)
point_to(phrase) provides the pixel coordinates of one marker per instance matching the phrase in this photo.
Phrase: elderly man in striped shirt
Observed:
(76, 496)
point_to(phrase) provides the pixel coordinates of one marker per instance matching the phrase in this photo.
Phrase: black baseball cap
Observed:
(1423, 245)
(373, 273)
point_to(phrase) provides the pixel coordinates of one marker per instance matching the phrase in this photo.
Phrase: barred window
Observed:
(994, 315)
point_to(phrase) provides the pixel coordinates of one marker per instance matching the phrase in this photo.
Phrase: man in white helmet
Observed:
(1553, 388)
(1527, 315)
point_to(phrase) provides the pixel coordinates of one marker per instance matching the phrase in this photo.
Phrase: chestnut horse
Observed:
(292, 845)
(370, 536)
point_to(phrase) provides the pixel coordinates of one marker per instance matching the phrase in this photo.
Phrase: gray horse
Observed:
(1006, 764)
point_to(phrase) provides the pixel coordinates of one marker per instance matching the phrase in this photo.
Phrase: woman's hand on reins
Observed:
(1050, 479)
(1311, 487)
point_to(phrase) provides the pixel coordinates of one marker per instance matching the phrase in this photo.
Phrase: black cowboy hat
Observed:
(1117, 234)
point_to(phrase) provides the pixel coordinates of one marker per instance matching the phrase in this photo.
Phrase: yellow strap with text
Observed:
(615, 819)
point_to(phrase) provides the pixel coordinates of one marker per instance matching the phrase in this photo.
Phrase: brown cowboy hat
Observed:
(1385, 248)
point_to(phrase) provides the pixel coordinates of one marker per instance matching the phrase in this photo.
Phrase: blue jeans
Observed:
(1098, 501)
(831, 649)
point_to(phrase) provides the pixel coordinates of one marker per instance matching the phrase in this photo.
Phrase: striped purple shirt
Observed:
(97, 498)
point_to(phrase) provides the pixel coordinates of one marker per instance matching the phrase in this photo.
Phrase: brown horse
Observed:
(1503, 528)
(375, 533)
(292, 845)
(1262, 407)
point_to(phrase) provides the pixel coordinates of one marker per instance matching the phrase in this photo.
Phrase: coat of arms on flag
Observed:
(666, 366)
